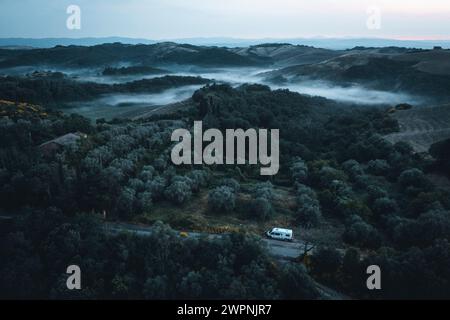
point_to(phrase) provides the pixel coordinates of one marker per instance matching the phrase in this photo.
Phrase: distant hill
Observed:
(415, 71)
(116, 53)
(16, 47)
(284, 54)
(52, 42)
(327, 43)
(275, 55)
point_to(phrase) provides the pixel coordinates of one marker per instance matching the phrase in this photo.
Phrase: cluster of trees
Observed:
(121, 170)
(441, 152)
(222, 198)
(413, 273)
(37, 248)
(134, 70)
(51, 91)
(261, 204)
(181, 188)
(308, 207)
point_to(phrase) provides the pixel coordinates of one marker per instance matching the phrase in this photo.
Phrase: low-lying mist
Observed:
(354, 94)
(118, 105)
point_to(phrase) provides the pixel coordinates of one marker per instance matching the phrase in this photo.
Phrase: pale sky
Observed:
(174, 19)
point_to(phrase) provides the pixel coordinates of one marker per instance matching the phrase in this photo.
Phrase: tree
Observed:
(378, 167)
(353, 168)
(156, 186)
(353, 271)
(263, 190)
(145, 201)
(329, 175)
(326, 261)
(261, 208)
(376, 192)
(296, 284)
(146, 173)
(362, 234)
(299, 170)
(308, 207)
(222, 199)
(430, 226)
(351, 263)
(441, 152)
(414, 178)
(179, 191)
(191, 286)
(125, 203)
(156, 288)
(199, 179)
(385, 205)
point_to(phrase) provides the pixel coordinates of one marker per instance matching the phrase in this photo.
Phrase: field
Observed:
(422, 126)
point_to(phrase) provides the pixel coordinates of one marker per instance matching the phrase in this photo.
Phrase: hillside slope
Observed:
(418, 72)
(421, 127)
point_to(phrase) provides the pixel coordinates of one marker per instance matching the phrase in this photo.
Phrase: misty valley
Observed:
(236, 68)
(86, 175)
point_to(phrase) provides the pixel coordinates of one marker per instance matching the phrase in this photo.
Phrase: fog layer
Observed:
(355, 94)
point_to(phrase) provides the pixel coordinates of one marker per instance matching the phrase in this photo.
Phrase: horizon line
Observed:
(243, 38)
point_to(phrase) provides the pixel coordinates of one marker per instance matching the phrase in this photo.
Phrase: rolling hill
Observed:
(419, 72)
(115, 53)
(422, 126)
(281, 54)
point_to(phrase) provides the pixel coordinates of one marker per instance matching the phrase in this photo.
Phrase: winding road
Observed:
(280, 249)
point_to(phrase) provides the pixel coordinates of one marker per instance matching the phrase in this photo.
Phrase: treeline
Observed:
(133, 70)
(51, 91)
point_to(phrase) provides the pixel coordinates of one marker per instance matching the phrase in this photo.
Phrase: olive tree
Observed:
(222, 199)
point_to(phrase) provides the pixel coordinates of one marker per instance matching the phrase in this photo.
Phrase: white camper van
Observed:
(280, 234)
